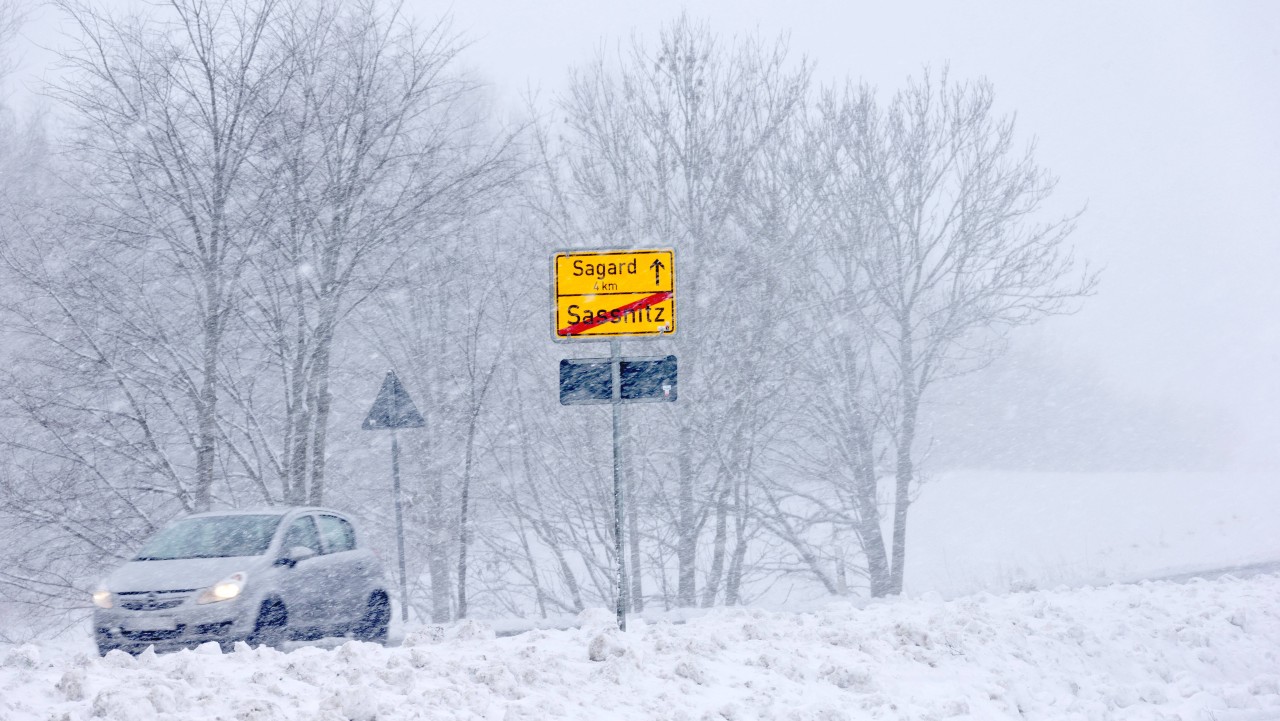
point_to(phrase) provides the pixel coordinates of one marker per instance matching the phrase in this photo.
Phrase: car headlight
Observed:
(224, 590)
(102, 598)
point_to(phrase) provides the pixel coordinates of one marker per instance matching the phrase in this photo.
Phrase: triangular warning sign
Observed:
(392, 408)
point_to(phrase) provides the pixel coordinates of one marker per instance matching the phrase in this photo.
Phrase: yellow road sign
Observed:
(614, 293)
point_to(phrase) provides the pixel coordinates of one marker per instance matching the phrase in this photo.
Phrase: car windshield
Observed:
(212, 537)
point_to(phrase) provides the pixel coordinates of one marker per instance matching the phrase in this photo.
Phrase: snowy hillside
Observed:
(1151, 651)
(995, 531)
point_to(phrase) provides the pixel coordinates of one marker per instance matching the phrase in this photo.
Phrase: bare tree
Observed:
(478, 373)
(170, 114)
(377, 144)
(241, 175)
(441, 317)
(404, 324)
(932, 252)
(656, 150)
(123, 273)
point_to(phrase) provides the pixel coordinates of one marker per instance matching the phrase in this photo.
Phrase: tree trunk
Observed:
(464, 529)
(733, 581)
(714, 576)
(206, 452)
(869, 532)
(902, 499)
(299, 412)
(905, 467)
(437, 552)
(207, 408)
(320, 415)
(687, 530)
(872, 539)
(540, 594)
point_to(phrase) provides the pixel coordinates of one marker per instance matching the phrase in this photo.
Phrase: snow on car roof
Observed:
(264, 510)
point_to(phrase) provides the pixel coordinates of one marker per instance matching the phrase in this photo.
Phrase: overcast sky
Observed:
(1163, 118)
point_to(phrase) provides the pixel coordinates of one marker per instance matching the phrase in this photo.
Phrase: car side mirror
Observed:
(295, 554)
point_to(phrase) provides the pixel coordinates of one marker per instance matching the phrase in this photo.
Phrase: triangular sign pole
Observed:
(392, 409)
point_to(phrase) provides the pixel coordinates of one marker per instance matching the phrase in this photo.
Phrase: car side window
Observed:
(338, 534)
(302, 532)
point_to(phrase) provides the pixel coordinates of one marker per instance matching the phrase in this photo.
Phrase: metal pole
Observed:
(395, 480)
(615, 348)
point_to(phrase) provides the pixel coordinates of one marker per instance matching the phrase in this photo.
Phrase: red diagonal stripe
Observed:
(641, 304)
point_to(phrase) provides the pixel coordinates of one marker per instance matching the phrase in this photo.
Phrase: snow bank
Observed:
(1149, 651)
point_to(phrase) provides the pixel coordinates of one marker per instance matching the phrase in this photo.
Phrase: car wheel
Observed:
(269, 629)
(372, 627)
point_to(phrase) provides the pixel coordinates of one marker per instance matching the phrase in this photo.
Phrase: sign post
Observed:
(615, 349)
(392, 409)
(609, 295)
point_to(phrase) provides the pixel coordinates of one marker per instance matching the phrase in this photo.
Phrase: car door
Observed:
(302, 586)
(344, 575)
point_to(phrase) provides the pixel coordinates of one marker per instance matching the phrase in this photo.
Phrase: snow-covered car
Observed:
(263, 576)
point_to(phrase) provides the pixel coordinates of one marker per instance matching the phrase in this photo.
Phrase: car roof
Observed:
(266, 510)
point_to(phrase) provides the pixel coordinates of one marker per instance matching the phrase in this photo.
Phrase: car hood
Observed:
(178, 574)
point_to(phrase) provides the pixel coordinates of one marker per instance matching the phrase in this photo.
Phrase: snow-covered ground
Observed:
(1068, 643)
(1202, 650)
(996, 531)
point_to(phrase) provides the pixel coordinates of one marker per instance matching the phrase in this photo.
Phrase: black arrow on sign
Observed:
(657, 271)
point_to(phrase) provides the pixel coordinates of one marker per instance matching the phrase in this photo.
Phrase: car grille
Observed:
(153, 600)
(153, 635)
(213, 629)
